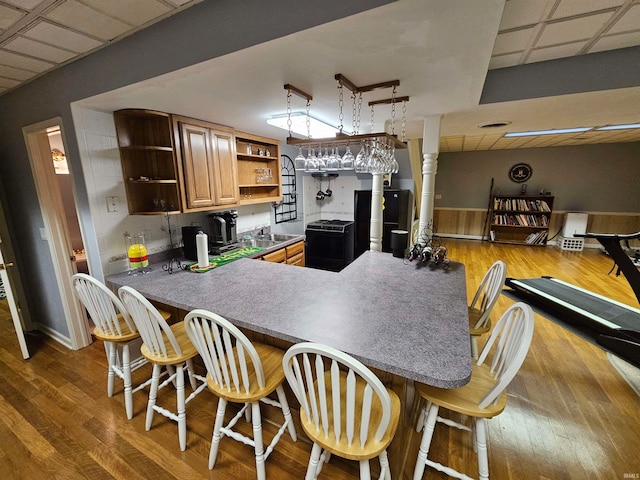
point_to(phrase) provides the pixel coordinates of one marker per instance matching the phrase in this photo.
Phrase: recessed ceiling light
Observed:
(619, 127)
(494, 124)
(548, 132)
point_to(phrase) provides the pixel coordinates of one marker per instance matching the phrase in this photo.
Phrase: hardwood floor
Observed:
(569, 415)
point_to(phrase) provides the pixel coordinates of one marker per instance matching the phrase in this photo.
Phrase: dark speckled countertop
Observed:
(404, 318)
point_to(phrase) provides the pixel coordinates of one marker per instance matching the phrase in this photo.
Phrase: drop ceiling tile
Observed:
(612, 42)
(85, 19)
(15, 73)
(512, 41)
(38, 50)
(572, 30)
(629, 21)
(20, 61)
(518, 13)
(568, 8)
(501, 61)
(134, 13)
(9, 16)
(560, 51)
(24, 4)
(8, 83)
(61, 37)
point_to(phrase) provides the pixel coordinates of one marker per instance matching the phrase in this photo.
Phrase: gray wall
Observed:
(596, 178)
(204, 31)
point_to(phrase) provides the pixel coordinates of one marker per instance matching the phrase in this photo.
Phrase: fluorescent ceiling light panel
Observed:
(318, 128)
(619, 127)
(548, 132)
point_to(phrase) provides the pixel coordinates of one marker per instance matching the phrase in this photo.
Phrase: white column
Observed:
(375, 228)
(430, 150)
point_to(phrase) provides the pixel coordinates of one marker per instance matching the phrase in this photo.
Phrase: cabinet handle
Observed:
(3, 265)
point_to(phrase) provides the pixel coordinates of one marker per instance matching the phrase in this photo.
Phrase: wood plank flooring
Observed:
(569, 415)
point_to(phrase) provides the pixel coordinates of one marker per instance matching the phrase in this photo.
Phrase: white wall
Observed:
(103, 177)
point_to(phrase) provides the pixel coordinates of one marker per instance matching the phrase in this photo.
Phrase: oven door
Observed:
(327, 250)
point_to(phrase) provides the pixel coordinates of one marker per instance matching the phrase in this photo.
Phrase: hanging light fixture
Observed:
(376, 150)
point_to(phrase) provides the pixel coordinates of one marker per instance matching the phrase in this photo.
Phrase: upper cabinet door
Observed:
(198, 165)
(225, 167)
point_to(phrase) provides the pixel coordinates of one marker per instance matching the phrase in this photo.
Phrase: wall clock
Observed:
(520, 172)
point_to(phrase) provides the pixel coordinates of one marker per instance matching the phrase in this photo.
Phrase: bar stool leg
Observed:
(126, 371)
(111, 356)
(365, 473)
(257, 440)
(429, 427)
(215, 439)
(182, 414)
(153, 394)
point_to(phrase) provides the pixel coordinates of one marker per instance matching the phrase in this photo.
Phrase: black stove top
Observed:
(334, 225)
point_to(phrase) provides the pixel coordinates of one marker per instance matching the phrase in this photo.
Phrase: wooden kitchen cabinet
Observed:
(208, 161)
(291, 255)
(148, 158)
(295, 254)
(257, 156)
(279, 256)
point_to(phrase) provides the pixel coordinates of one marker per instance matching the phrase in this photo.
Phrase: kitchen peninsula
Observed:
(407, 321)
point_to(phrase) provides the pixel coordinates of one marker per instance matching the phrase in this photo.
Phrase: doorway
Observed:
(57, 220)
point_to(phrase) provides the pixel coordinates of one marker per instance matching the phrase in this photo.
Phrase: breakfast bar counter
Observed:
(406, 321)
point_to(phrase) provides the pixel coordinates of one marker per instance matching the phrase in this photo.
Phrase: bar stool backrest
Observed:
(230, 358)
(340, 408)
(509, 344)
(102, 305)
(154, 330)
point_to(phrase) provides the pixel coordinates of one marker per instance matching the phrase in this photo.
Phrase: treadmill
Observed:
(610, 325)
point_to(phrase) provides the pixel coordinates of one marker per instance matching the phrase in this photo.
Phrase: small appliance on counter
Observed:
(223, 231)
(329, 244)
(189, 241)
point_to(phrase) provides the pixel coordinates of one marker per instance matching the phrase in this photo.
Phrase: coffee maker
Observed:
(189, 241)
(223, 231)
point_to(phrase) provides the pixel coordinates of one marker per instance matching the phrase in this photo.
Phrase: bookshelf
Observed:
(520, 219)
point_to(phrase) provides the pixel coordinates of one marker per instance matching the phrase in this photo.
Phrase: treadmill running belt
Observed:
(610, 325)
(583, 302)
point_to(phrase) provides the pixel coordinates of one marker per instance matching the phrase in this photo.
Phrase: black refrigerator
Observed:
(395, 216)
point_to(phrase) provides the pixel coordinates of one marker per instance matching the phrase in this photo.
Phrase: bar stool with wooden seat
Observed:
(114, 326)
(484, 396)
(164, 346)
(239, 371)
(483, 302)
(344, 408)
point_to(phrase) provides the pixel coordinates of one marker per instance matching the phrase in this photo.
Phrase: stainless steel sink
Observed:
(257, 242)
(276, 237)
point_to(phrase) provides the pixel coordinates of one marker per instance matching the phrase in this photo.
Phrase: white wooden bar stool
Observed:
(344, 408)
(241, 372)
(164, 346)
(483, 302)
(484, 396)
(115, 328)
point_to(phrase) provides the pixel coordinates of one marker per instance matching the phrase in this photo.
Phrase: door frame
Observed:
(55, 225)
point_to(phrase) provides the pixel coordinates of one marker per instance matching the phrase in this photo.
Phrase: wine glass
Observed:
(312, 161)
(361, 160)
(333, 163)
(300, 160)
(322, 159)
(348, 159)
(394, 162)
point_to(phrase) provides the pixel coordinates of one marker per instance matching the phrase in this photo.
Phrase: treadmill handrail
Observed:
(611, 243)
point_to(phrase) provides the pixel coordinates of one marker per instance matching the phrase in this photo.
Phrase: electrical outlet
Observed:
(113, 204)
(438, 196)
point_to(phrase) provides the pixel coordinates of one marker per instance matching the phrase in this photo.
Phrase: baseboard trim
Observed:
(49, 332)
